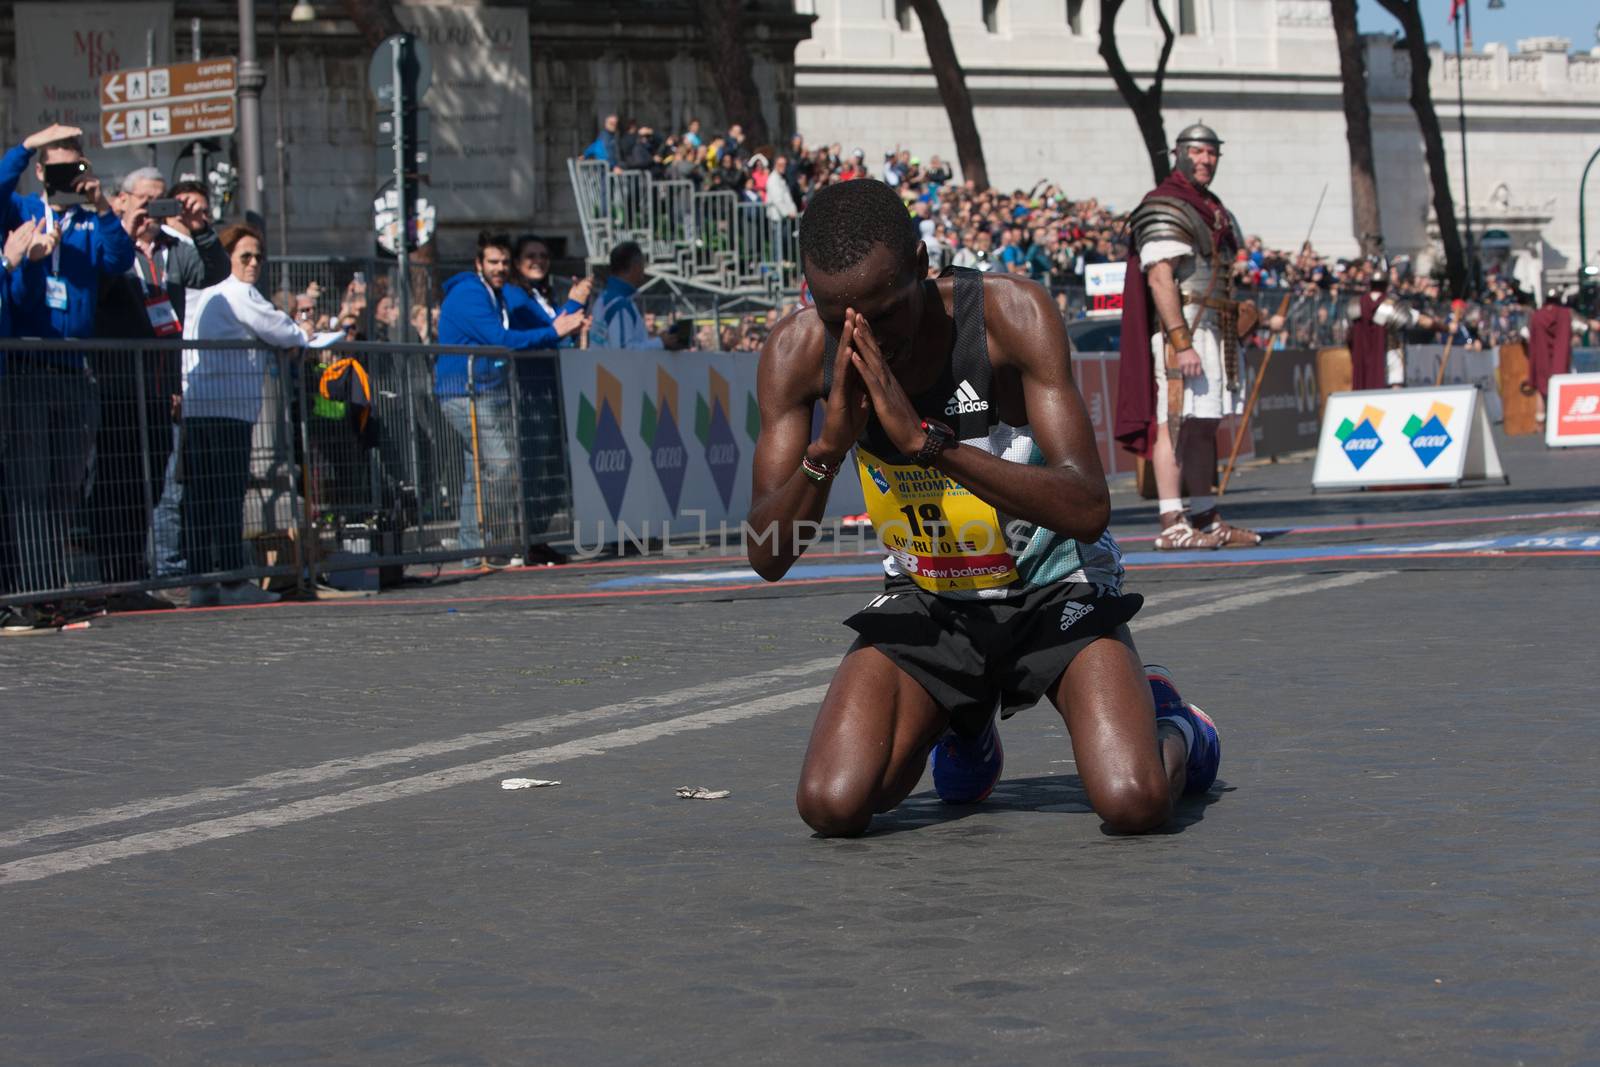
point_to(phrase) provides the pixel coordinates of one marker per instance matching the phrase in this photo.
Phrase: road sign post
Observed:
(400, 73)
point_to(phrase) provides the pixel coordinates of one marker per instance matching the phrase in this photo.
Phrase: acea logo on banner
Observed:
(1360, 440)
(715, 433)
(599, 431)
(1427, 434)
(658, 429)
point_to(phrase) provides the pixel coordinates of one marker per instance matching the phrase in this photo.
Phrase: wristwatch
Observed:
(938, 438)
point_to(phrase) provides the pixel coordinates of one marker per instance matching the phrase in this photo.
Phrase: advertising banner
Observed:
(1572, 410)
(1096, 374)
(1405, 437)
(63, 51)
(1466, 367)
(662, 443)
(1285, 417)
(481, 163)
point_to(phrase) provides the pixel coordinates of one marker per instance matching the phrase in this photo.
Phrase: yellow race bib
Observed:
(942, 536)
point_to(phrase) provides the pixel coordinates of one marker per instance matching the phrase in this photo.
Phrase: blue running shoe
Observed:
(1205, 752)
(965, 769)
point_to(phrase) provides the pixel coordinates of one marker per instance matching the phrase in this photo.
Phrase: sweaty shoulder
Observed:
(791, 360)
(1023, 322)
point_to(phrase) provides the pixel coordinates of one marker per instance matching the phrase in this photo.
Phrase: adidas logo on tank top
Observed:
(965, 400)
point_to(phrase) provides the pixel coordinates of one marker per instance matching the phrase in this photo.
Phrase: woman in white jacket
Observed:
(221, 401)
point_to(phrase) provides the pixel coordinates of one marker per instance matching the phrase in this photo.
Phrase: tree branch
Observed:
(1410, 19)
(952, 82)
(1159, 84)
(1146, 106)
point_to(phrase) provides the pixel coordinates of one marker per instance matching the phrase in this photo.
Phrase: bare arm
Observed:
(783, 497)
(1068, 493)
(1169, 312)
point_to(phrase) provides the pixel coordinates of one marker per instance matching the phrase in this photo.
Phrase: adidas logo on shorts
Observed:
(1072, 613)
(965, 401)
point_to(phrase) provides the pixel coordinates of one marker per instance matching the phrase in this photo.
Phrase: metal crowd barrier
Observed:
(711, 237)
(219, 465)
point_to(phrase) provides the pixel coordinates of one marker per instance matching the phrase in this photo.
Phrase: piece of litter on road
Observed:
(700, 792)
(525, 783)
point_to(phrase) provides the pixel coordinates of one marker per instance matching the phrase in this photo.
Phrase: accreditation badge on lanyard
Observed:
(940, 535)
(158, 306)
(55, 286)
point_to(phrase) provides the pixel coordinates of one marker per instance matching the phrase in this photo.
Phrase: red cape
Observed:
(1135, 423)
(1369, 347)
(1549, 345)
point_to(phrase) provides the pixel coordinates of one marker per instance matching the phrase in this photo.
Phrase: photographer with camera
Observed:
(25, 239)
(49, 400)
(175, 250)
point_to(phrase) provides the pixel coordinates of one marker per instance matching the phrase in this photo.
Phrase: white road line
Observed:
(1160, 597)
(1245, 600)
(77, 859)
(329, 770)
(84, 857)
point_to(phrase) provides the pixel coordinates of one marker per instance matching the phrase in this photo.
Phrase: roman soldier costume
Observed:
(1182, 222)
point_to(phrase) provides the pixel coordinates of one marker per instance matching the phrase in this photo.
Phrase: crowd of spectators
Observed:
(110, 461)
(1040, 232)
(142, 465)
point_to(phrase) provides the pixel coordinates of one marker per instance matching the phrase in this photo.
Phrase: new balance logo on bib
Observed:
(965, 401)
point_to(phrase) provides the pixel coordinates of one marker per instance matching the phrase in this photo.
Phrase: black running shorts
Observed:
(969, 654)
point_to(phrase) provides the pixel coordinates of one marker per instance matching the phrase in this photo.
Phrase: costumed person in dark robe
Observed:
(1377, 325)
(1550, 334)
(1179, 375)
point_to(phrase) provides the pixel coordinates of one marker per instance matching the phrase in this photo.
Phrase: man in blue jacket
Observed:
(617, 321)
(48, 397)
(473, 391)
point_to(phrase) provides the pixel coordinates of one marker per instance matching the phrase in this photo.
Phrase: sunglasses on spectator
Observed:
(251, 257)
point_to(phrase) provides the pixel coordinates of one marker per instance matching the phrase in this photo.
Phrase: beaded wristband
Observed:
(818, 471)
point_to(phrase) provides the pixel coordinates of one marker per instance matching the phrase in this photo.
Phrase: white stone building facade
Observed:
(1264, 73)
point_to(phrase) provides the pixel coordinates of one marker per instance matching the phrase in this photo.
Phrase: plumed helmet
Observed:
(1377, 271)
(1198, 133)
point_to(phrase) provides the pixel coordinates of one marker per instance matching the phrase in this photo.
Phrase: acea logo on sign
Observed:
(712, 428)
(599, 431)
(1427, 434)
(658, 429)
(1360, 440)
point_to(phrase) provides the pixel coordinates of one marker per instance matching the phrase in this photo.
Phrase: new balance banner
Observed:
(1572, 410)
(1405, 437)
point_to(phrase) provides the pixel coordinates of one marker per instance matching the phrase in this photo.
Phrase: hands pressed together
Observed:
(863, 384)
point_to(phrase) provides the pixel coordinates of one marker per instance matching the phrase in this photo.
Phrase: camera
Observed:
(165, 207)
(61, 181)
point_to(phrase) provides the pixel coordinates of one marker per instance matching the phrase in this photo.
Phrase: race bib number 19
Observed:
(940, 535)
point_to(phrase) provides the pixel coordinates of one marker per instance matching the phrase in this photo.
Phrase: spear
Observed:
(1261, 375)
